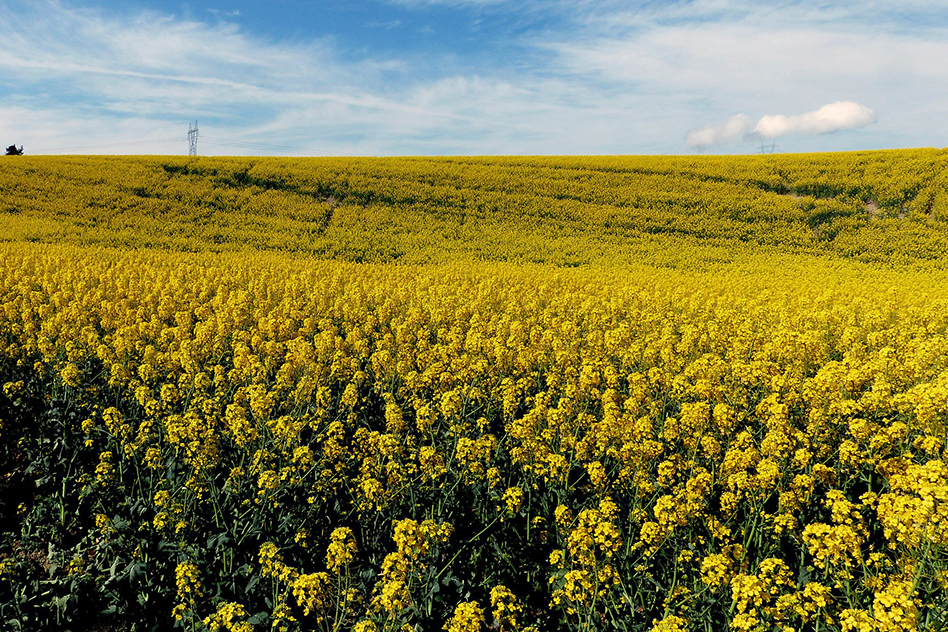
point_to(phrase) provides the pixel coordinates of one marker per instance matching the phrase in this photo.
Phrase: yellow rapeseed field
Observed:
(471, 394)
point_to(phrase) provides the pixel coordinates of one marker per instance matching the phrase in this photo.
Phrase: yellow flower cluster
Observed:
(188, 579)
(312, 591)
(328, 596)
(916, 510)
(678, 392)
(342, 548)
(592, 539)
(272, 565)
(415, 543)
(670, 623)
(506, 608)
(467, 617)
(875, 206)
(894, 609)
(229, 617)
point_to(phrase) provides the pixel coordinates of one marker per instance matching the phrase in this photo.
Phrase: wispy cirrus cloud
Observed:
(171, 70)
(721, 57)
(557, 77)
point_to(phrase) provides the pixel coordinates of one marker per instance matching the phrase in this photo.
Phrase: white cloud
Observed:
(832, 117)
(80, 131)
(730, 131)
(155, 73)
(590, 76)
(755, 59)
(720, 57)
(829, 118)
(156, 70)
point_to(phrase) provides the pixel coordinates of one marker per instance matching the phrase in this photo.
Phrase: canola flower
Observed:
(234, 438)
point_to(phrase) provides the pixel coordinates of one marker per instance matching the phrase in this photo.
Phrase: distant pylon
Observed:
(193, 139)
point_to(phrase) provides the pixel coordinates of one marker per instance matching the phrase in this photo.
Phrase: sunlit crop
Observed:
(471, 394)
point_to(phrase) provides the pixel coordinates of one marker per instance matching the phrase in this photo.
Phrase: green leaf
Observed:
(259, 619)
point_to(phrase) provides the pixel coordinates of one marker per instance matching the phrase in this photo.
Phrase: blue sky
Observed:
(443, 77)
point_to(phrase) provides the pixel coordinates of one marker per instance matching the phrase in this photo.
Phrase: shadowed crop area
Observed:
(462, 394)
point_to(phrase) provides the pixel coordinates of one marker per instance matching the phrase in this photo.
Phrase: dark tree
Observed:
(13, 151)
